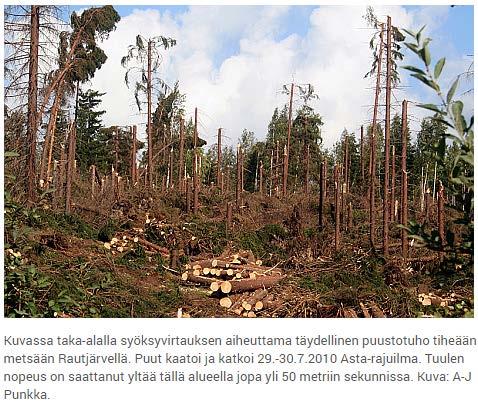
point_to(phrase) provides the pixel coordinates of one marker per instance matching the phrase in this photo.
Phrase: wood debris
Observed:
(239, 280)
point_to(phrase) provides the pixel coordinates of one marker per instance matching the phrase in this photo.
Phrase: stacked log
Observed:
(240, 281)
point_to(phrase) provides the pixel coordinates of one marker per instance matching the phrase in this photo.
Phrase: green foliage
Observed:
(139, 53)
(449, 113)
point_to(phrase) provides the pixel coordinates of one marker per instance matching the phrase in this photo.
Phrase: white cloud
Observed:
(242, 90)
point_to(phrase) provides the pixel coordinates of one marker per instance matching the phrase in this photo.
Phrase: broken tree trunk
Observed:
(70, 167)
(404, 209)
(441, 216)
(392, 190)
(181, 170)
(219, 158)
(196, 165)
(93, 180)
(307, 170)
(362, 166)
(228, 218)
(372, 166)
(337, 207)
(388, 93)
(32, 123)
(321, 195)
(134, 169)
(287, 147)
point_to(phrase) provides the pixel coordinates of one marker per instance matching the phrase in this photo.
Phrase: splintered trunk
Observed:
(337, 206)
(346, 165)
(47, 151)
(61, 173)
(372, 166)
(362, 165)
(149, 124)
(196, 165)
(441, 216)
(261, 178)
(322, 194)
(404, 209)
(227, 186)
(219, 159)
(228, 218)
(93, 181)
(238, 177)
(307, 169)
(70, 169)
(277, 170)
(170, 183)
(349, 216)
(284, 171)
(386, 202)
(287, 148)
(181, 156)
(134, 169)
(116, 143)
(188, 195)
(32, 122)
(392, 192)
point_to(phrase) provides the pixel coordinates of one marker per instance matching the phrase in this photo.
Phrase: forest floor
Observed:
(98, 262)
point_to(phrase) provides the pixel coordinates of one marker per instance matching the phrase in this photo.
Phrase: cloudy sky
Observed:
(232, 61)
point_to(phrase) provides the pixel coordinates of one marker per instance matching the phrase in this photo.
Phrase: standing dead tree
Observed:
(146, 53)
(388, 93)
(30, 35)
(196, 165)
(181, 171)
(337, 182)
(372, 166)
(404, 208)
(134, 168)
(219, 160)
(323, 175)
(287, 147)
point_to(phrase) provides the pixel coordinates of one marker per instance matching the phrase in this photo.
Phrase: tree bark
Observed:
(219, 159)
(441, 216)
(362, 166)
(70, 168)
(388, 93)
(287, 149)
(32, 120)
(134, 169)
(196, 165)
(404, 208)
(321, 195)
(149, 124)
(372, 149)
(181, 156)
(337, 206)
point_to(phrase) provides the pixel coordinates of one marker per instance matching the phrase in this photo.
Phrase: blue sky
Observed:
(241, 55)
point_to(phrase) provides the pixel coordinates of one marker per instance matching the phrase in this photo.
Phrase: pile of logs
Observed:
(238, 280)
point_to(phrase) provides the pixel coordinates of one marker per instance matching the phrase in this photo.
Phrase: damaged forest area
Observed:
(148, 221)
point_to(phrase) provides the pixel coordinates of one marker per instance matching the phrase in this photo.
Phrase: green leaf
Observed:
(414, 69)
(412, 47)
(10, 154)
(425, 80)
(417, 36)
(452, 90)
(431, 107)
(425, 55)
(411, 33)
(439, 68)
